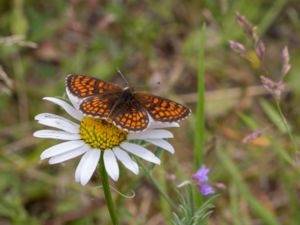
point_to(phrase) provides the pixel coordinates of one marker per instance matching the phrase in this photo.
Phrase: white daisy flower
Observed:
(94, 138)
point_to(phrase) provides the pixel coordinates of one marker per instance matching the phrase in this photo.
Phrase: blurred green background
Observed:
(156, 45)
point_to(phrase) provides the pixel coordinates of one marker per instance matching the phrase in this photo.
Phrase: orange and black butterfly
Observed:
(124, 107)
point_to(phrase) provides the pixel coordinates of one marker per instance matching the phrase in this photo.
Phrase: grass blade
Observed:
(264, 214)
(200, 113)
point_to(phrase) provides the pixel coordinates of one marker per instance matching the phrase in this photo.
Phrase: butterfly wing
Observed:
(162, 109)
(130, 116)
(99, 106)
(83, 86)
(127, 115)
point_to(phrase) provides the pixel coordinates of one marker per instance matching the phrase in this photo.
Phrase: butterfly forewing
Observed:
(84, 86)
(162, 109)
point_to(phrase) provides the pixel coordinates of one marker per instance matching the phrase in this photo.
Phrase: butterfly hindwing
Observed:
(130, 116)
(99, 106)
(162, 109)
(84, 86)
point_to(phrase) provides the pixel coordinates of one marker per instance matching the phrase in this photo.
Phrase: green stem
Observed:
(199, 138)
(157, 185)
(287, 127)
(107, 193)
(200, 111)
(165, 207)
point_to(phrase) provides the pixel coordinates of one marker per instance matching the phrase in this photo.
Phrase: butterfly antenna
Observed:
(123, 77)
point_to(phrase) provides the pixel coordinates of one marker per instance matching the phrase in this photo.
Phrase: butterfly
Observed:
(124, 107)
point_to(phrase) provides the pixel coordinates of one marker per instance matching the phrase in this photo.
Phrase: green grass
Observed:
(200, 110)
(258, 208)
(153, 43)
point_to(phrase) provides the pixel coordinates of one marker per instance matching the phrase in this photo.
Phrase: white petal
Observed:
(67, 107)
(150, 134)
(56, 134)
(74, 100)
(61, 148)
(78, 168)
(140, 152)
(90, 162)
(156, 124)
(162, 143)
(56, 121)
(126, 160)
(42, 116)
(111, 165)
(68, 155)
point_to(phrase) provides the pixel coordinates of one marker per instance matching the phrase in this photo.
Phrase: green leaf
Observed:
(273, 115)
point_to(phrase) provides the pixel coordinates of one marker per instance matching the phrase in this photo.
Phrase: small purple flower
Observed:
(206, 189)
(201, 175)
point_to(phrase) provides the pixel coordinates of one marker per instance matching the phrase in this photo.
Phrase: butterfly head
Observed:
(128, 89)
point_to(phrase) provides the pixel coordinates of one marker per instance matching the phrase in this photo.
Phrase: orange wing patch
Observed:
(84, 86)
(130, 117)
(97, 106)
(163, 109)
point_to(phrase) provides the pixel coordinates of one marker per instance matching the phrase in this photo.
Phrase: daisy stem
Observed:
(107, 193)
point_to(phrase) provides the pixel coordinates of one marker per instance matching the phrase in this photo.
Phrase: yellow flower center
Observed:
(101, 134)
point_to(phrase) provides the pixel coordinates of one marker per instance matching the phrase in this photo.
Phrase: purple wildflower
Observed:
(206, 189)
(201, 177)
(201, 174)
